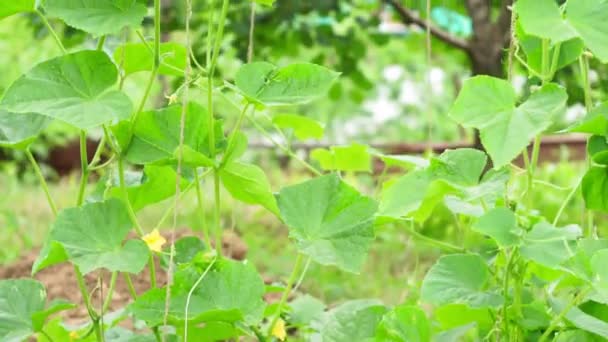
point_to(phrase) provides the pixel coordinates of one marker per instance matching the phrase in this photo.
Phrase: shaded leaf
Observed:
(303, 127)
(248, 183)
(549, 246)
(135, 57)
(501, 225)
(354, 320)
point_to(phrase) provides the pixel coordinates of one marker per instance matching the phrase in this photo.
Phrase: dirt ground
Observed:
(60, 281)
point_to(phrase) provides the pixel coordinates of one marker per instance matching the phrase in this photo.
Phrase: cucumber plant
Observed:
(531, 278)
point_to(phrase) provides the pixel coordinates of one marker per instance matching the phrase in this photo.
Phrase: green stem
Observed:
(157, 17)
(125, 195)
(85, 294)
(152, 267)
(52, 32)
(584, 68)
(144, 99)
(217, 214)
(286, 292)
(106, 303)
(42, 181)
(219, 36)
(563, 314)
(545, 61)
(98, 151)
(46, 335)
(84, 166)
(436, 243)
(285, 149)
(100, 43)
(235, 130)
(505, 307)
(201, 208)
(130, 286)
(566, 201)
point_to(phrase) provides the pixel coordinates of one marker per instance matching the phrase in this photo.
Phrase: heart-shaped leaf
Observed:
(19, 130)
(303, 127)
(298, 83)
(231, 291)
(404, 323)
(584, 18)
(595, 187)
(93, 235)
(353, 158)
(549, 246)
(11, 7)
(135, 57)
(98, 17)
(355, 320)
(459, 278)
(156, 134)
(501, 225)
(594, 122)
(74, 88)
(329, 221)
(248, 183)
(489, 104)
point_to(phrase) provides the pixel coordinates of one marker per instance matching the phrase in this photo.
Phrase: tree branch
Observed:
(479, 11)
(408, 17)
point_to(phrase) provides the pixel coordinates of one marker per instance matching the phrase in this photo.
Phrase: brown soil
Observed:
(60, 281)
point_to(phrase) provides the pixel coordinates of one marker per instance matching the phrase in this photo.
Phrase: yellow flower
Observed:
(154, 240)
(278, 330)
(74, 336)
(172, 98)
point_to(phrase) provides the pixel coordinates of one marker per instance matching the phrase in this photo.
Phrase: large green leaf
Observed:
(501, 225)
(354, 320)
(93, 235)
(416, 194)
(404, 324)
(156, 134)
(329, 221)
(98, 17)
(23, 308)
(10, 7)
(549, 246)
(489, 104)
(595, 188)
(74, 88)
(135, 57)
(19, 130)
(580, 319)
(297, 83)
(305, 309)
(154, 184)
(19, 300)
(587, 19)
(248, 183)
(231, 291)
(459, 278)
(303, 127)
(353, 158)
(594, 122)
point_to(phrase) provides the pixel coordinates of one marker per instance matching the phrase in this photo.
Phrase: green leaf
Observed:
(264, 2)
(136, 57)
(329, 220)
(305, 309)
(417, 193)
(457, 315)
(19, 300)
(352, 158)
(549, 246)
(354, 320)
(459, 278)
(404, 324)
(231, 291)
(597, 149)
(156, 134)
(303, 127)
(19, 130)
(98, 17)
(248, 183)
(595, 188)
(11, 7)
(52, 253)
(461, 333)
(595, 122)
(153, 185)
(580, 319)
(297, 83)
(489, 104)
(74, 88)
(39, 318)
(186, 249)
(585, 19)
(92, 236)
(543, 18)
(501, 225)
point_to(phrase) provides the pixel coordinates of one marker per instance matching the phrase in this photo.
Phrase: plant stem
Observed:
(584, 68)
(217, 214)
(100, 43)
(286, 292)
(201, 208)
(42, 181)
(52, 32)
(106, 303)
(563, 314)
(505, 307)
(187, 307)
(436, 243)
(84, 167)
(566, 201)
(130, 286)
(235, 130)
(125, 195)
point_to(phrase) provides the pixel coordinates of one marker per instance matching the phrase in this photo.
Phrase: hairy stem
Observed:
(290, 282)
(42, 181)
(52, 32)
